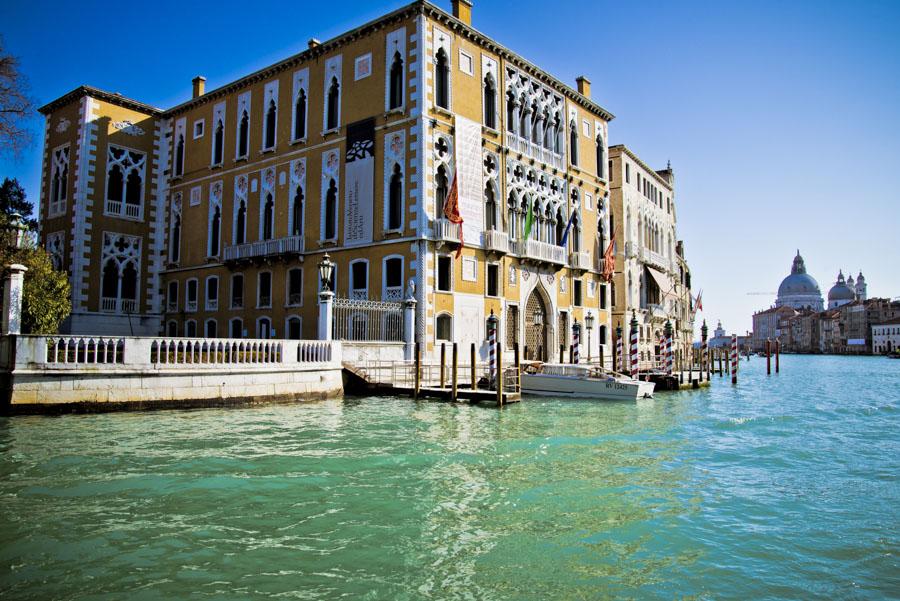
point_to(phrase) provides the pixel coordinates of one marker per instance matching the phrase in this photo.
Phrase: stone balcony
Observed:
(541, 252)
(580, 260)
(445, 230)
(496, 241)
(288, 246)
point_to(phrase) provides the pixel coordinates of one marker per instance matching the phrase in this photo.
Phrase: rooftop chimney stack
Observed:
(313, 43)
(462, 10)
(199, 86)
(584, 86)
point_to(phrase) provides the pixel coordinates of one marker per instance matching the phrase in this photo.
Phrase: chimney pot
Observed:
(199, 84)
(584, 86)
(313, 43)
(462, 10)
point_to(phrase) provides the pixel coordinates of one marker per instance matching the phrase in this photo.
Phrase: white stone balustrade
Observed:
(496, 240)
(264, 248)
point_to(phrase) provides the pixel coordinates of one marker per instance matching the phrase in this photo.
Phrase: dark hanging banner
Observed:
(360, 182)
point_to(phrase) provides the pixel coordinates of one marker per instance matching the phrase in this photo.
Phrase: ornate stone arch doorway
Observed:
(538, 323)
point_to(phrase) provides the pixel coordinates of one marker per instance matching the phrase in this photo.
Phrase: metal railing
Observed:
(580, 260)
(264, 248)
(356, 319)
(401, 374)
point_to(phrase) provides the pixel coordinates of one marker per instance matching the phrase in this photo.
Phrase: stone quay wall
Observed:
(40, 374)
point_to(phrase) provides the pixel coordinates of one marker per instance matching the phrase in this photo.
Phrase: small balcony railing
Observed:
(496, 241)
(191, 306)
(264, 248)
(118, 305)
(580, 260)
(212, 304)
(294, 299)
(237, 302)
(445, 230)
(541, 252)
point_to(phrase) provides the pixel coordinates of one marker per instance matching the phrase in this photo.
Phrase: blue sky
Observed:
(781, 119)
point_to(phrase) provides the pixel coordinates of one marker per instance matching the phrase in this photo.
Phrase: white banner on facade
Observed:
(359, 186)
(468, 172)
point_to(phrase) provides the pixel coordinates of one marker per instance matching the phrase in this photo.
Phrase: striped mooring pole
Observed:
(576, 341)
(734, 359)
(620, 358)
(704, 353)
(670, 357)
(492, 348)
(634, 345)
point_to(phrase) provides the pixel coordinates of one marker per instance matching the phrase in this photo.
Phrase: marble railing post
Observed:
(326, 314)
(12, 299)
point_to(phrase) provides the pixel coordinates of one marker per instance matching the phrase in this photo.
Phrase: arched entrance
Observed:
(537, 327)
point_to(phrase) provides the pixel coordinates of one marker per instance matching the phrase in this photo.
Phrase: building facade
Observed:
(652, 280)
(886, 336)
(209, 218)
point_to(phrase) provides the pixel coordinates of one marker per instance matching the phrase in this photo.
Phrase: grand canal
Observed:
(780, 487)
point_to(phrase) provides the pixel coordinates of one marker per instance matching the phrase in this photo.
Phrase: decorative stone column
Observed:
(12, 299)
(326, 314)
(409, 327)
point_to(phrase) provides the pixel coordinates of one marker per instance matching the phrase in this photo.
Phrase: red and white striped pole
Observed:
(492, 348)
(634, 345)
(670, 363)
(734, 359)
(620, 358)
(576, 341)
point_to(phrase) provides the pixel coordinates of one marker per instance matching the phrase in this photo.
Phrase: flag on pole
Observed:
(529, 221)
(609, 261)
(699, 305)
(451, 211)
(565, 235)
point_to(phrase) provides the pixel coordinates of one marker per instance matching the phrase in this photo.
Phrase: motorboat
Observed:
(582, 381)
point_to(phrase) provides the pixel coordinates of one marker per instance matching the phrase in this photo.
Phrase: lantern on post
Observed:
(589, 325)
(326, 298)
(14, 278)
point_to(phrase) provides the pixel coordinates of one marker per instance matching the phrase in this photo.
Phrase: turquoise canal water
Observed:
(782, 487)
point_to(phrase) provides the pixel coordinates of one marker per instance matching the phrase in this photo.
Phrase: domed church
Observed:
(844, 292)
(800, 290)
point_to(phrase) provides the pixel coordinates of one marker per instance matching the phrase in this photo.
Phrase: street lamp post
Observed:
(537, 319)
(326, 298)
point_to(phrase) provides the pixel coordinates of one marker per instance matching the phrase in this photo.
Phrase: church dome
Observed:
(841, 291)
(799, 283)
(799, 290)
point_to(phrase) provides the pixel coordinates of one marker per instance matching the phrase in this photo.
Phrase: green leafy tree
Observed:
(46, 295)
(14, 200)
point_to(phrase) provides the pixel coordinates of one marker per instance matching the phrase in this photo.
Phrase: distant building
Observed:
(768, 325)
(842, 292)
(799, 290)
(886, 336)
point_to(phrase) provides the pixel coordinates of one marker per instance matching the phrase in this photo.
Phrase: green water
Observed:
(781, 487)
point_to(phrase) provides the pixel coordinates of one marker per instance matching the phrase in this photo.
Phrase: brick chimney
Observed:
(462, 10)
(199, 86)
(584, 86)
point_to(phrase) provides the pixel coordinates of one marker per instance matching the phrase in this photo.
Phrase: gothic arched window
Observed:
(297, 213)
(395, 200)
(331, 211)
(110, 283)
(268, 229)
(300, 116)
(129, 283)
(133, 187)
(442, 79)
(573, 143)
(441, 189)
(114, 184)
(271, 117)
(244, 135)
(175, 240)
(490, 208)
(215, 226)
(511, 111)
(601, 158)
(395, 97)
(240, 224)
(334, 98)
(179, 155)
(218, 142)
(490, 102)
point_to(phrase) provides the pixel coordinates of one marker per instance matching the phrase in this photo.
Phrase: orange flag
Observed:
(451, 211)
(609, 261)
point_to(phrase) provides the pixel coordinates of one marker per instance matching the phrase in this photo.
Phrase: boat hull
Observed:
(588, 388)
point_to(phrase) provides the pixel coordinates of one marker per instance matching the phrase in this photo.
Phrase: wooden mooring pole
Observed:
(417, 376)
(443, 361)
(768, 357)
(719, 354)
(517, 362)
(472, 365)
(777, 356)
(453, 375)
(562, 353)
(499, 375)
